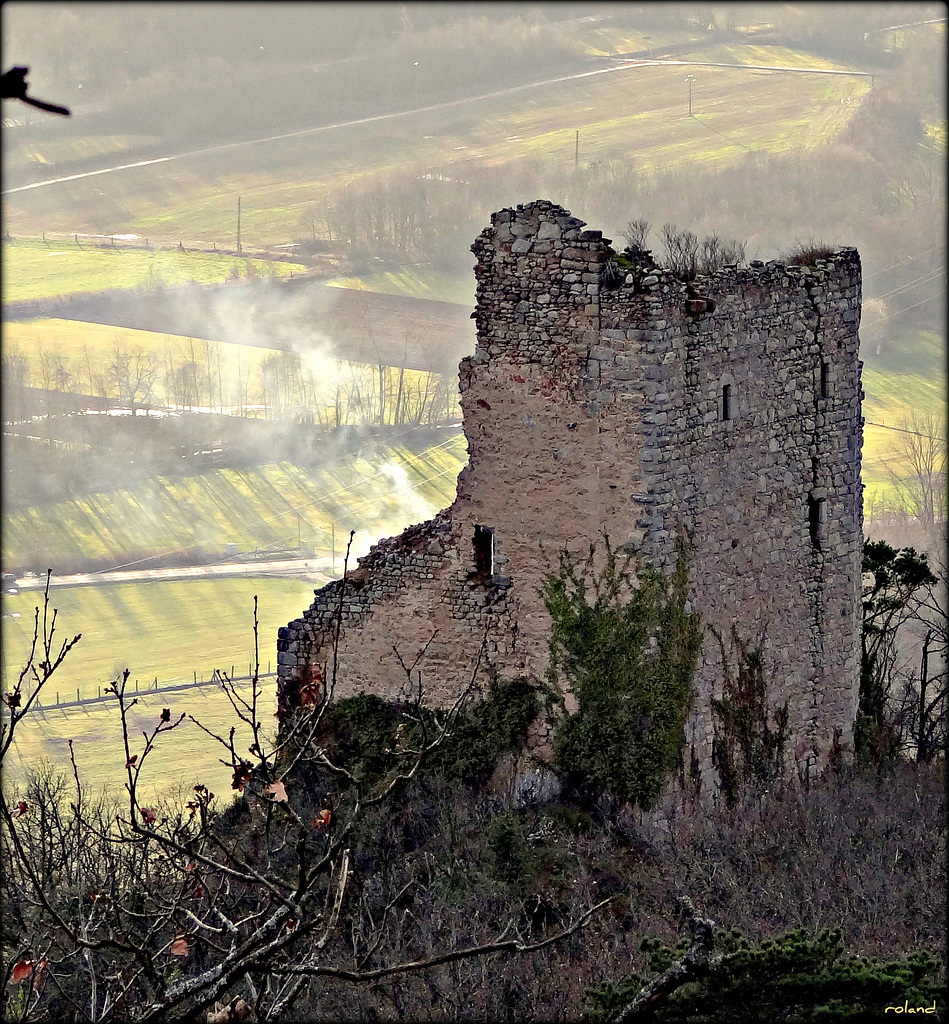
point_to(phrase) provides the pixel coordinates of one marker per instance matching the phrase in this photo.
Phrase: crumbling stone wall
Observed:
(634, 405)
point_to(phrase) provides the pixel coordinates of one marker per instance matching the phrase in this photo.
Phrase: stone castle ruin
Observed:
(634, 405)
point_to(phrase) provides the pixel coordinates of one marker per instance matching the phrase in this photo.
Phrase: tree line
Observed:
(195, 374)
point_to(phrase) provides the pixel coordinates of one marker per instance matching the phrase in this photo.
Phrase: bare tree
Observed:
(922, 714)
(177, 912)
(682, 251)
(917, 470)
(15, 373)
(133, 373)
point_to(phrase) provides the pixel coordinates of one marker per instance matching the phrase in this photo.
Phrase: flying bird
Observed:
(13, 87)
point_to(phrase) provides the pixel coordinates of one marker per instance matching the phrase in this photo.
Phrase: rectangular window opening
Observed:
(726, 401)
(484, 550)
(815, 519)
(824, 378)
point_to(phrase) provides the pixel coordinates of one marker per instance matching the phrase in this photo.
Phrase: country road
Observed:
(318, 570)
(625, 65)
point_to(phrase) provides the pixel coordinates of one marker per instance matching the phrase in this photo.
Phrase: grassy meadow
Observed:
(182, 759)
(157, 629)
(39, 270)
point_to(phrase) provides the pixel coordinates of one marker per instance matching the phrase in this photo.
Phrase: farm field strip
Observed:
(416, 282)
(53, 151)
(254, 508)
(606, 40)
(38, 270)
(491, 130)
(182, 759)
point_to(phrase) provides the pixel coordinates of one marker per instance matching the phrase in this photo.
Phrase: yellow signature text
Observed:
(906, 1008)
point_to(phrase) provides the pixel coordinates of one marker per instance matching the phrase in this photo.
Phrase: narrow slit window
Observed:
(484, 550)
(815, 519)
(726, 401)
(824, 378)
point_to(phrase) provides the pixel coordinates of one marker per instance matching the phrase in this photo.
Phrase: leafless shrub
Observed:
(688, 256)
(682, 251)
(636, 233)
(717, 252)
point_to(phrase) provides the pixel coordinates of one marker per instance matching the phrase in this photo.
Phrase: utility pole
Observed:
(239, 222)
(576, 153)
(690, 79)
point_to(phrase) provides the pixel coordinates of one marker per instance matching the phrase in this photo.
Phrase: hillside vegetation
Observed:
(634, 114)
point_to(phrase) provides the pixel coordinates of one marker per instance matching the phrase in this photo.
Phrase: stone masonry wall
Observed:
(635, 406)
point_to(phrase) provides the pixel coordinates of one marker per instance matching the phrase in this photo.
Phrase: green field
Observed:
(183, 758)
(633, 114)
(417, 282)
(267, 507)
(891, 401)
(39, 270)
(906, 377)
(163, 629)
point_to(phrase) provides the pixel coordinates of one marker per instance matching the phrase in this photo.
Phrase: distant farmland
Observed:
(167, 630)
(634, 114)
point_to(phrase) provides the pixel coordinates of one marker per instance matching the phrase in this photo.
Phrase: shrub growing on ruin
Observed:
(806, 254)
(487, 728)
(686, 255)
(367, 736)
(636, 233)
(624, 644)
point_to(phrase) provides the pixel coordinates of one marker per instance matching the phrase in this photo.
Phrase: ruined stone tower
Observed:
(639, 406)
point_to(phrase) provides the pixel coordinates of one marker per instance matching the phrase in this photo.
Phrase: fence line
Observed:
(151, 688)
(153, 243)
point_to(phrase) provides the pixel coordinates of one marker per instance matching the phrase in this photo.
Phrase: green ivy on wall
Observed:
(624, 644)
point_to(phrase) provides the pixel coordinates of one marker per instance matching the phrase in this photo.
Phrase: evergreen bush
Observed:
(800, 977)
